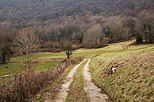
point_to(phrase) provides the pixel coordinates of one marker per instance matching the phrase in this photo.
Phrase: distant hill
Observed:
(41, 10)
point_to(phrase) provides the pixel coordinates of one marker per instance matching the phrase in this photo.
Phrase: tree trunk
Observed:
(28, 65)
(68, 56)
(3, 58)
(28, 60)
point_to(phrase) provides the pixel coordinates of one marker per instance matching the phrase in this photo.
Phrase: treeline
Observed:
(89, 32)
(98, 31)
(7, 33)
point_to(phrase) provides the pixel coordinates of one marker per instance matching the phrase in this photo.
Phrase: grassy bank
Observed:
(133, 79)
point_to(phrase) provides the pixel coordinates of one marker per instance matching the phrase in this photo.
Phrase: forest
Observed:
(84, 23)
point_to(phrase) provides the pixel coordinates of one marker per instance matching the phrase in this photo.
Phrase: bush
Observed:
(27, 84)
(138, 38)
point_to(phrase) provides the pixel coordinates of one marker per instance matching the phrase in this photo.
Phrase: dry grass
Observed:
(133, 79)
(46, 60)
(27, 84)
(50, 91)
(76, 93)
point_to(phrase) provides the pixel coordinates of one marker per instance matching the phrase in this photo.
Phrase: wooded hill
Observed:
(84, 23)
(36, 10)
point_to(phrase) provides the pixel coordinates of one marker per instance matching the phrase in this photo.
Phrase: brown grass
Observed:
(40, 60)
(133, 79)
(76, 92)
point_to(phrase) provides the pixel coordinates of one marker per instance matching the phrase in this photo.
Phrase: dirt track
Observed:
(63, 90)
(93, 92)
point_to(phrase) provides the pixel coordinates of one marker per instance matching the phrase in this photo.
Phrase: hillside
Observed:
(133, 79)
(41, 10)
(86, 23)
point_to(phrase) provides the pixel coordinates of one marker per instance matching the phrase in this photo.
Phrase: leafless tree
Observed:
(129, 24)
(145, 25)
(26, 42)
(94, 36)
(68, 48)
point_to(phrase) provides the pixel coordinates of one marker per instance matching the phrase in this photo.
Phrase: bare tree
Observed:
(129, 25)
(145, 25)
(94, 36)
(26, 42)
(68, 48)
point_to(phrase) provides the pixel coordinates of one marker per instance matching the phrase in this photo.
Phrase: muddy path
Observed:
(94, 93)
(64, 88)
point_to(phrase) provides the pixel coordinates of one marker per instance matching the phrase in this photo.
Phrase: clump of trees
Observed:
(7, 33)
(145, 25)
(94, 37)
(139, 39)
(6, 53)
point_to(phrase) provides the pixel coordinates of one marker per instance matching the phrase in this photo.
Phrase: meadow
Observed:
(133, 78)
(46, 60)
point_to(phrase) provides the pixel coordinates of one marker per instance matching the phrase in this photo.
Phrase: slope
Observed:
(133, 79)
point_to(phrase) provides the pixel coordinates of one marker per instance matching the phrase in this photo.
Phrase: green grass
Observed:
(20, 67)
(12, 68)
(39, 55)
(112, 50)
(116, 47)
(44, 66)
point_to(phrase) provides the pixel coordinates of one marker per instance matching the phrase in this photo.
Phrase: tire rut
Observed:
(64, 88)
(93, 92)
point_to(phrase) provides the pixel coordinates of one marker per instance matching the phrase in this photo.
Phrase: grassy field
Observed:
(38, 64)
(17, 67)
(43, 61)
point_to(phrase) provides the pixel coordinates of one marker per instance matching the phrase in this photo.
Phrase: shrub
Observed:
(138, 38)
(27, 84)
